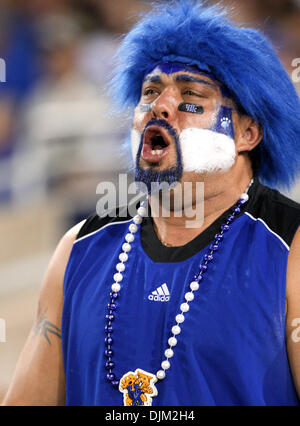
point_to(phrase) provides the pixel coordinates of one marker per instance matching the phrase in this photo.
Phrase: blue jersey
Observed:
(231, 350)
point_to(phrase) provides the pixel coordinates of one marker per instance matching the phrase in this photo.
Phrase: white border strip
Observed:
(101, 229)
(274, 233)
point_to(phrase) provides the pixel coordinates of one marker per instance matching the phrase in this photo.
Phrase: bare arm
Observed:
(39, 376)
(293, 310)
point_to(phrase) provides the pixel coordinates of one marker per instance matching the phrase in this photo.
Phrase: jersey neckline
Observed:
(160, 253)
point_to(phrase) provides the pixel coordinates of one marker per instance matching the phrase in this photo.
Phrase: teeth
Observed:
(156, 151)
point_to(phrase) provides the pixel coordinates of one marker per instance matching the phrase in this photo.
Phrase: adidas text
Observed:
(161, 294)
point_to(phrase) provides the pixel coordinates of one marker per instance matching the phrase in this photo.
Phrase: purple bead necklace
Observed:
(189, 296)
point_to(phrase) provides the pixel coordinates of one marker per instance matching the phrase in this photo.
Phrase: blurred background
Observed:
(58, 137)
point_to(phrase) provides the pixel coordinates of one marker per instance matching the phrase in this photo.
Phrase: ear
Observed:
(249, 134)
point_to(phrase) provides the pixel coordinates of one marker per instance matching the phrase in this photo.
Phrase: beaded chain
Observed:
(189, 296)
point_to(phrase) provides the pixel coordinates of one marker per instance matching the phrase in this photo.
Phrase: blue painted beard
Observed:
(154, 180)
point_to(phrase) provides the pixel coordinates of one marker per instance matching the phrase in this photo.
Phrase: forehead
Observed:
(187, 73)
(180, 72)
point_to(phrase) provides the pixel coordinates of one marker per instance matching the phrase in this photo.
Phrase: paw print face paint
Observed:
(225, 123)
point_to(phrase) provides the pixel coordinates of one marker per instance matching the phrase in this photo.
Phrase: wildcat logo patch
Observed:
(138, 388)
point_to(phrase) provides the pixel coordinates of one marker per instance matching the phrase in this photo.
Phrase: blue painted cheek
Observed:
(224, 124)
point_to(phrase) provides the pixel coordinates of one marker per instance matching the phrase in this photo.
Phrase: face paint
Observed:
(135, 143)
(150, 176)
(146, 107)
(206, 151)
(194, 109)
(191, 79)
(172, 67)
(198, 150)
(210, 150)
(223, 123)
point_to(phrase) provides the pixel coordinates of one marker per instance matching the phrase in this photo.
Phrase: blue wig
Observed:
(242, 59)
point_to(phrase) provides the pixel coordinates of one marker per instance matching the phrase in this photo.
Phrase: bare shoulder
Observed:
(293, 270)
(293, 277)
(293, 309)
(72, 233)
(51, 296)
(67, 241)
(59, 260)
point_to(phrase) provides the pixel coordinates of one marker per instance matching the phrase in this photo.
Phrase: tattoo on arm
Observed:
(43, 327)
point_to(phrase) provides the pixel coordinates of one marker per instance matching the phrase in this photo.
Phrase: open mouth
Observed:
(156, 144)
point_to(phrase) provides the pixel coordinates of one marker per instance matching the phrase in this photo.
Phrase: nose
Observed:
(165, 106)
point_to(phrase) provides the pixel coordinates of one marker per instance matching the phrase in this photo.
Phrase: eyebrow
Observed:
(185, 77)
(152, 79)
(182, 77)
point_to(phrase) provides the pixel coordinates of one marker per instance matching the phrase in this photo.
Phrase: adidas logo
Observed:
(161, 294)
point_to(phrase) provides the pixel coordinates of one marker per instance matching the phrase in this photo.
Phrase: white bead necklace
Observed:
(138, 387)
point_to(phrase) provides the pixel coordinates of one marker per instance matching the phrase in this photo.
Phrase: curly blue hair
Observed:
(189, 32)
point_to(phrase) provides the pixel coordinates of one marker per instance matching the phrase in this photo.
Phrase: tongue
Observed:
(157, 147)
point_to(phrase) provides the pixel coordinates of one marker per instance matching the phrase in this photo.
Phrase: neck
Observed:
(220, 192)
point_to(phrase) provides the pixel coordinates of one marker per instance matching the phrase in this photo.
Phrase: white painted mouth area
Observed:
(135, 143)
(202, 150)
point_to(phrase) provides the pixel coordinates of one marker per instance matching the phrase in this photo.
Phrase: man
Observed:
(153, 311)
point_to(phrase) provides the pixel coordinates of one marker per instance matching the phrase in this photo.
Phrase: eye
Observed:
(192, 93)
(148, 92)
